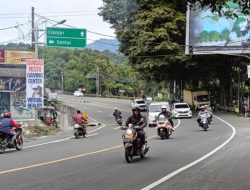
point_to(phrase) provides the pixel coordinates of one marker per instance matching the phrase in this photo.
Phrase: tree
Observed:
(234, 8)
(151, 34)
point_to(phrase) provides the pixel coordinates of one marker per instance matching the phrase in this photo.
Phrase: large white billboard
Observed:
(208, 33)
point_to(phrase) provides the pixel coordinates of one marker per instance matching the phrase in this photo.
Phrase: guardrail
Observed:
(225, 108)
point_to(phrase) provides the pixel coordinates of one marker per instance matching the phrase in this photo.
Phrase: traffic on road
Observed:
(111, 152)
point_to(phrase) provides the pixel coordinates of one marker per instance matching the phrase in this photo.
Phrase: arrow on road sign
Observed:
(51, 41)
(82, 33)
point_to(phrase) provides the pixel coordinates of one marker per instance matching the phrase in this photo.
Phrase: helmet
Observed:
(163, 107)
(202, 108)
(7, 115)
(115, 108)
(136, 108)
(161, 119)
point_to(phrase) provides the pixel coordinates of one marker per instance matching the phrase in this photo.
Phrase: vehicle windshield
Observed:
(155, 108)
(140, 102)
(202, 98)
(181, 106)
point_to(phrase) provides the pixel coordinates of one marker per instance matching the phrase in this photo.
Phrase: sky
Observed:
(78, 13)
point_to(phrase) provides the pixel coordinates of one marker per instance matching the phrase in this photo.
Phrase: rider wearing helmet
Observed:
(137, 119)
(7, 123)
(117, 114)
(202, 111)
(167, 114)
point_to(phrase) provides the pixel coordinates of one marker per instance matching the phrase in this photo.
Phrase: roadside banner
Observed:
(34, 83)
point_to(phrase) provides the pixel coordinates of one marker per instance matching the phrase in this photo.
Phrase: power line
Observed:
(84, 14)
(48, 12)
(16, 26)
(76, 27)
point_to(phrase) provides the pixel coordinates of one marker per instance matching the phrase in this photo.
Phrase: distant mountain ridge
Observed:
(105, 44)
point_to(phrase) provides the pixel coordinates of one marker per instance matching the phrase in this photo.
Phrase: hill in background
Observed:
(105, 44)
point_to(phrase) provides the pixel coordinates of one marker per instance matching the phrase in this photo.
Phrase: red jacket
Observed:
(78, 119)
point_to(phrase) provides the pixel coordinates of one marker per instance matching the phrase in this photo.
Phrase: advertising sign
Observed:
(18, 57)
(1, 56)
(34, 83)
(208, 33)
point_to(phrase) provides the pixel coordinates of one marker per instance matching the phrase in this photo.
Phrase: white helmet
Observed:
(164, 107)
(115, 108)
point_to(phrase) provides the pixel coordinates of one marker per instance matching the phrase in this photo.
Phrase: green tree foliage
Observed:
(152, 36)
(75, 65)
(234, 7)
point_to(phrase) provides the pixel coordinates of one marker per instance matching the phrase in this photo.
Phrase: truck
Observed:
(196, 98)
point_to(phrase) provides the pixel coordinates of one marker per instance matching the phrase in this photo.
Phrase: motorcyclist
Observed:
(209, 111)
(7, 124)
(201, 112)
(79, 119)
(167, 115)
(117, 114)
(135, 119)
(162, 120)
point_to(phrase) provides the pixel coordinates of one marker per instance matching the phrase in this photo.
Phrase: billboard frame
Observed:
(192, 49)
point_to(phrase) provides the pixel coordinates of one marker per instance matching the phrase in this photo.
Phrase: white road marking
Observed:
(167, 177)
(178, 124)
(65, 139)
(99, 111)
(60, 140)
(118, 127)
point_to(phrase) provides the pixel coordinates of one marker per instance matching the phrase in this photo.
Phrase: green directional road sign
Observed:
(66, 37)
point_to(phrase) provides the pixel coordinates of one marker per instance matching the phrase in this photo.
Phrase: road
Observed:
(190, 159)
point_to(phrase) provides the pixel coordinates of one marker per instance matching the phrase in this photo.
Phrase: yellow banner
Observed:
(18, 57)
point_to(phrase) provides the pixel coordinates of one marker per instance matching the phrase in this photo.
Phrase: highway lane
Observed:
(98, 161)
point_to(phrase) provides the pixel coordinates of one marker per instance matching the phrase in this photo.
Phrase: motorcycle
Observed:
(164, 129)
(119, 121)
(79, 131)
(203, 121)
(132, 144)
(6, 140)
(209, 117)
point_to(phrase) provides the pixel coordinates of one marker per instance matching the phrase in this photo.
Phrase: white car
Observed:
(154, 110)
(181, 110)
(140, 103)
(78, 93)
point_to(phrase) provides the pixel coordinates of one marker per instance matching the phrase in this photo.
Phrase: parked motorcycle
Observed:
(164, 128)
(203, 121)
(6, 140)
(132, 143)
(79, 131)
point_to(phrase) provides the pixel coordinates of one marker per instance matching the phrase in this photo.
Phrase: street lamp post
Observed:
(36, 31)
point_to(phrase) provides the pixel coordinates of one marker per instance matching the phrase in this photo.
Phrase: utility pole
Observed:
(98, 82)
(33, 28)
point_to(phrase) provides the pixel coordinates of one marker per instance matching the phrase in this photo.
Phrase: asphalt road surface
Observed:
(191, 159)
